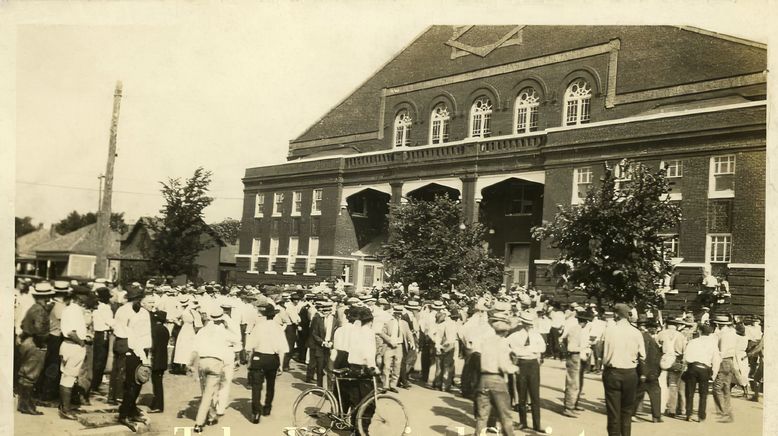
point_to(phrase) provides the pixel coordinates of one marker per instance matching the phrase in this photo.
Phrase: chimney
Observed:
(52, 232)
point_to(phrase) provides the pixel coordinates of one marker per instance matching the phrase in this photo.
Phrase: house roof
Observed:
(649, 57)
(25, 244)
(373, 248)
(81, 241)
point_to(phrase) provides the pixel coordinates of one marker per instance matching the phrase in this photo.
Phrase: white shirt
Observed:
(102, 317)
(73, 320)
(122, 319)
(267, 338)
(329, 322)
(214, 340)
(362, 347)
(139, 333)
(527, 344)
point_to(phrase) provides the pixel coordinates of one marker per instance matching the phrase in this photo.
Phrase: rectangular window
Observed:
(294, 243)
(521, 200)
(315, 226)
(572, 112)
(317, 198)
(673, 168)
(582, 181)
(585, 113)
(255, 247)
(259, 205)
(521, 119)
(439, 131)
(294, 227)
(313, 251)
(671, 246)
(297, 205)
(722, 178)
(476, 131)
(346, 276)
(278, 203)
(273, 253)
(720, 248)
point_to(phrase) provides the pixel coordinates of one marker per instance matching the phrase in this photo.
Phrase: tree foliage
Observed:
(75, 221)
(22, 226)
(429, 246)
(610, 246)
(227, 230)
(179, 231)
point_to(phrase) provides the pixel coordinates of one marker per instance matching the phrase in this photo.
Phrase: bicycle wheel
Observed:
(313, 411)
(386, 417)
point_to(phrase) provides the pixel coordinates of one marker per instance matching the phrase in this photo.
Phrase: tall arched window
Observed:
(481, 118)
(527, 111)
(577, 102)
(402, 129)
(439, 124)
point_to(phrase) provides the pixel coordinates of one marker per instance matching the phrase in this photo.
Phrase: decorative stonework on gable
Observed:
(462, 39)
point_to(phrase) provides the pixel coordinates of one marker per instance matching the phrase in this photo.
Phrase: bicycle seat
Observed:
(339, 371)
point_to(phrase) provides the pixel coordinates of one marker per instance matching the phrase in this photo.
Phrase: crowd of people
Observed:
(68, 331)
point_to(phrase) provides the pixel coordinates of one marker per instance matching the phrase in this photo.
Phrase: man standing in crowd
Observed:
(574, 338)
(496, 364)
(160, 337)
(47, 384)
(722, 384)
(673, 342)
(444, 337)
(102, 322)
(266, 346)
(703, 359)
(650, 370)
(228, 372)
(528, 347)
(409, 355)
(320, 342)
(400, 338)
(32, 349)
(623, 350)
(291, 320)
(72, 352)
(138, 347)
(120, 347)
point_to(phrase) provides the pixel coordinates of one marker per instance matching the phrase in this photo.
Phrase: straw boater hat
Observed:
(527, 317)
(413, 305)
(61, 287)
(722, 320)
(583, 315)
(438, 305)
(398, 308)
(215, 313)
(42, 289)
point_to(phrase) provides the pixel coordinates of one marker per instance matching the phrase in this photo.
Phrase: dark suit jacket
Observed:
(159, 340)
(650, 367)
(319, 332)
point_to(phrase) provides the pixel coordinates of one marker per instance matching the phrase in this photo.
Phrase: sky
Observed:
(225, 85)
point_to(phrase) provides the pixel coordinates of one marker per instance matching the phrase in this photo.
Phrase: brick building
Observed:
(513, 121)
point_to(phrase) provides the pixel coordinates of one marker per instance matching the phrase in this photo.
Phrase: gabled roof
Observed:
(81, 241)
(149, 222)
(25, 244)
(650, 57)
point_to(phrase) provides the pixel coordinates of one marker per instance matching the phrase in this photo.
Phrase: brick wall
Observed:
(748, 213)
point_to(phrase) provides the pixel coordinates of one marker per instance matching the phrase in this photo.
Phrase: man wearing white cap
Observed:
(528, 346)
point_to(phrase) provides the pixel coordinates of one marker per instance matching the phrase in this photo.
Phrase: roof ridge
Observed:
(724, 36)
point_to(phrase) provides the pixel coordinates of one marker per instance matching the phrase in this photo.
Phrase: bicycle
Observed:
(317, 410)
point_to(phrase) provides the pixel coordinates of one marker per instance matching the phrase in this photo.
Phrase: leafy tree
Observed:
(609, 246)
(75, 221)
(24, 225)
(429, 246)
(181, 226)
(227, 230)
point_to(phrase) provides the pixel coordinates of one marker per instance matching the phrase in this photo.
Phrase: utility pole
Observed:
(100, 193)
(104, 215)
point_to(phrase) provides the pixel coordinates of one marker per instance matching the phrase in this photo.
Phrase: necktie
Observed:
(526, 343)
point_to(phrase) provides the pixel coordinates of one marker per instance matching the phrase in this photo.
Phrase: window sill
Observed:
(277, 215)
(272, 273)
(721, 194)
(252, 272)
(296, 214)
(359, 215)
(315, 213)
(310, 274)
(289, 274)
(673, 196)
(518, 214)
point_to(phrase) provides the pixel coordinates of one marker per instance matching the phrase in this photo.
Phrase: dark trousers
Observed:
(291, 337)
(697, 374)
(158, 389)
(581, 372)
(302, 344)
(444, 370)
(553, 349)
(243, 356)
(99, 359)
(131, 387)
(654, 396)
(427, 354)
(620, 388)
(529, 383)
(357, 391)
(317, 364)
(408, 357)
(263, 368)
(118, 369)
(48, 383)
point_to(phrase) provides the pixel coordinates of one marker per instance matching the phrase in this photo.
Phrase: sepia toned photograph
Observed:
(299, 219)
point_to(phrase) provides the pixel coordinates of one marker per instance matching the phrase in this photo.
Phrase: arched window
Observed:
(527, 111)
(402, 129)
(439, 124)
(481, 118)
(577, 103)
